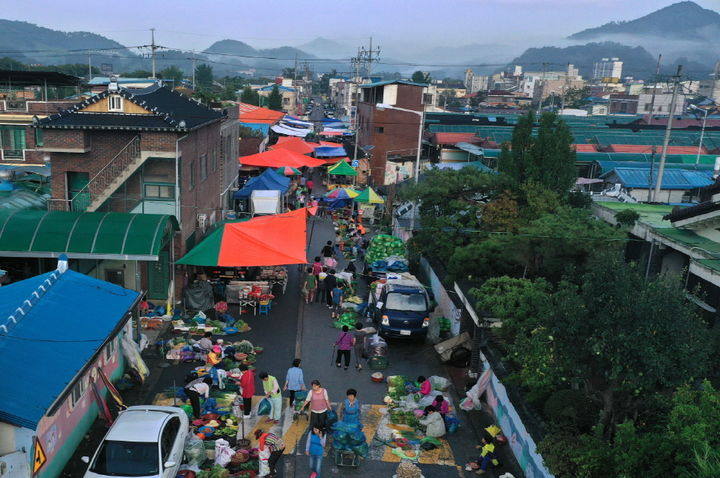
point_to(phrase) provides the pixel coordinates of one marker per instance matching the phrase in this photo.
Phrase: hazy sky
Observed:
(193, 24)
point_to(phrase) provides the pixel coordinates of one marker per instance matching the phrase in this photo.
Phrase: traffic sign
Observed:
(355, 163)
(39, 457)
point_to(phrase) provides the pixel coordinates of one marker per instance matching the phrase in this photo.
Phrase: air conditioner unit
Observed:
(202, 221)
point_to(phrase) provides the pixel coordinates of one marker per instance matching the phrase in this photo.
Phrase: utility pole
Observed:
(668, 129)
(153, 47)
(652, 99)
(89, 67)
(542, 91)
(193, 70)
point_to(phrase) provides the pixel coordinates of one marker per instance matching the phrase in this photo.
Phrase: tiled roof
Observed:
(172, 112)
(692, 211)
(258, 114)
(641, 148)
(392, 82)
(453, 138)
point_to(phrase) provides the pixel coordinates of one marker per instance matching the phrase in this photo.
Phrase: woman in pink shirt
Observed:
(441, 405)
(319, 404)
(425, 385)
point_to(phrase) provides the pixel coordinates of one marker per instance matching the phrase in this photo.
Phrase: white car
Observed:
(144, 441)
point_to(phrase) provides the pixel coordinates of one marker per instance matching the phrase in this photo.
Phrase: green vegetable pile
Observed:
(383, 246)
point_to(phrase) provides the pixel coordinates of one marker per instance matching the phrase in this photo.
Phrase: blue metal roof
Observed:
(672, 178)
(392, 82)
(268, 180)
(264, 128)
(330, 151)
(280, 87)
(58, 331)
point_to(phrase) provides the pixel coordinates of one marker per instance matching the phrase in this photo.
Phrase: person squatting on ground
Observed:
(269, 442)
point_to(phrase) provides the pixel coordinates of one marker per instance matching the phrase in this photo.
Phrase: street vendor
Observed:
(199, 387)
(349, 411)
(247, 385)
(425, 385)
(205, 344)
(269, 442)
(433, 422)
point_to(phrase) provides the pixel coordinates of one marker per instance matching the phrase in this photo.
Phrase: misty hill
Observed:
(325, 48)
(682, 21)
(638, 62)
(235, 47)
(51, 47)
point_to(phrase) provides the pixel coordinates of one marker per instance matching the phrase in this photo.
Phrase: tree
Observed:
(547, 159)
(250, 96)
(421, 77)
(204, 77)
(576, 97)
(172, 73)
(275, 99)
(625, 338)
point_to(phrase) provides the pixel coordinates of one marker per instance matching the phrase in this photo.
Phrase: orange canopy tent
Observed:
(277, 158)
(293, 143)
(274, 240)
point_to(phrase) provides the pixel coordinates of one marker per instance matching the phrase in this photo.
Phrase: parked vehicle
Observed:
(145, 441)
(400, 307)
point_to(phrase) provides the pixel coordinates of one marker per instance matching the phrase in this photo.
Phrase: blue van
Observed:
(400, 309)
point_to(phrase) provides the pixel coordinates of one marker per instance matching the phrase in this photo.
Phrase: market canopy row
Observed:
(268, 180)
(277, 158)
(279, 239)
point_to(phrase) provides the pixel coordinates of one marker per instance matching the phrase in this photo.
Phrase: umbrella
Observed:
(342, 193)
(369, 196)
(288, 171)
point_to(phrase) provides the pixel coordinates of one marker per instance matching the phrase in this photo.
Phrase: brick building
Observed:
(151, 151)
(393, 133)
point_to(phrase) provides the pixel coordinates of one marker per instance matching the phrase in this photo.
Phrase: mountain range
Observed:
(683, 32)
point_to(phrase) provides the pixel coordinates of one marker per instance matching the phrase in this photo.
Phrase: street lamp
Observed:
(702, 132)
(421, 114)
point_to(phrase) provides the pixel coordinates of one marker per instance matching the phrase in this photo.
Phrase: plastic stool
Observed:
(264, 309)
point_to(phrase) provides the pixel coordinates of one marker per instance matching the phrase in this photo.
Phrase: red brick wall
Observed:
(158, 141)
(67, 139)
(399, 136)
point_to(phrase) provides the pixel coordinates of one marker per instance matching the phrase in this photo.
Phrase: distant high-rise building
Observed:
(711, 88)
(607, 68)
(474, 83)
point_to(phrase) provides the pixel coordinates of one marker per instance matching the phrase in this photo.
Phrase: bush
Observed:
(571, 409)
(627, 217)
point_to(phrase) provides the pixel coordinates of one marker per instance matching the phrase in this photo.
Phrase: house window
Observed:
(115, 103)
(647, 107)
(12, 142)
(39, 141)
(77, 392)
(203, 167)
(286, 101)
(192, 174)
(427, 98)
(109, 350)
(380, 129)
(160, 191)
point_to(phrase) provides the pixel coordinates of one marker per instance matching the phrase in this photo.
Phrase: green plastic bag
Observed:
(264, 407)
(188, 410)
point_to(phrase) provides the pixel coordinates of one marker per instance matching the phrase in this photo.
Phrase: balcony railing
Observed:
(12, 154)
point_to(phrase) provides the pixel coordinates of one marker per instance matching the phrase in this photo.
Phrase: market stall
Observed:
(280, 157)
(367, 201)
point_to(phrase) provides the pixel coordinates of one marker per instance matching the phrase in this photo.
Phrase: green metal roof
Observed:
(84, 235)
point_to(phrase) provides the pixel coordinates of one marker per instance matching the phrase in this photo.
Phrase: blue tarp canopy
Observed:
(264, 128)
(268, 180)
(330, 152)
(56, 335)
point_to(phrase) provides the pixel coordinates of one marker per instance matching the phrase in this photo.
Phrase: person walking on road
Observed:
(358, 344)
(327, 252)
(309, 286)
(247, 385)
(310, 184)
(321, 293)
(274, 444)
(319, 403)
(344, 344)
(338, 293)
(199, 387)
(271, 387)
(330, 284)
(294, 381)
(315, 449)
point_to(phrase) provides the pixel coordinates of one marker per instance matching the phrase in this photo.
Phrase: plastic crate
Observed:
(378, 363)
(346, 458)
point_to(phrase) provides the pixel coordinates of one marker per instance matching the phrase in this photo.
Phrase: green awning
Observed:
(84, 235)
(342, 168)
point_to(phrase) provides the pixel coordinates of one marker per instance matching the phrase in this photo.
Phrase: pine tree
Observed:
(275, 99)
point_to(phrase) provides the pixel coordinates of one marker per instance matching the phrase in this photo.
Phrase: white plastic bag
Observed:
(426, 400)
(194, 450)
(223, 452)
(263, 457)
(439, 383)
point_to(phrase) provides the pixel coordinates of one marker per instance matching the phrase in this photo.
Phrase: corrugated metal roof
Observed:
(392, 82)
(672, 178)
(91, 235)
(42, 353)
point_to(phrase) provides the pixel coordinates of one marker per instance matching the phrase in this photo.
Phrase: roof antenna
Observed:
(62, 263)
